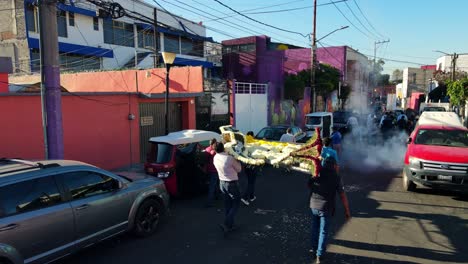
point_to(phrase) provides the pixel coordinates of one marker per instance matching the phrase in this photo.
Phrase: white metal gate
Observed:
(251, 106)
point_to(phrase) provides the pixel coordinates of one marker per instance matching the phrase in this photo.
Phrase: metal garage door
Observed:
(152, 122)
(251, 102)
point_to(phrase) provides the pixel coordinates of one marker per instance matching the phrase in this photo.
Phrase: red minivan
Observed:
(437, 153)
(179, 160)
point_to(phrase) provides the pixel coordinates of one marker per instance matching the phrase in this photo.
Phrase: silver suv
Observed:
(49, 209)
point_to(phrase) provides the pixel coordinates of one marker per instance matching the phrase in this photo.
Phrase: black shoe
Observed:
(225, 229)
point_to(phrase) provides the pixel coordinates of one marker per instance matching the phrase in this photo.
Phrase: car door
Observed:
(35, 219)
(100, 206)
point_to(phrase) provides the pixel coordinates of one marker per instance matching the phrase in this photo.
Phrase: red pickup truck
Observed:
(437, 153)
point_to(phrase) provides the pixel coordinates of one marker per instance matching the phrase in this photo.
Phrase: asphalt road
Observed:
(388, 226)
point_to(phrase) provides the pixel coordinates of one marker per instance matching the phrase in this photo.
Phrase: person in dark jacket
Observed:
(323, 190)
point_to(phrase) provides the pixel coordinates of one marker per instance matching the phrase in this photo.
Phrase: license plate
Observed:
(444, 178)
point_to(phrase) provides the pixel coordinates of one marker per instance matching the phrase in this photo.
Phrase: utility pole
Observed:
(374, 70)
(50, 78)
(313, 60)
(155, 37)
(454, 65)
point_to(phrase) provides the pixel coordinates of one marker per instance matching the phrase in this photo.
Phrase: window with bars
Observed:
(191, 47)
(146, 38)
(171, 43)
(96, 23)
(68, 62)
(250, 88)
(118, 33)
(71, 19)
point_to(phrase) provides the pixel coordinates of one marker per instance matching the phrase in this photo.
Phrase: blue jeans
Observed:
(231, 192)
(213, 186)
(320, 226)
(251, 177)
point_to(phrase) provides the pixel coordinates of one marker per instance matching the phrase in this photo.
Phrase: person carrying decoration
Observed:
(288, 137)
(228, 168)
(328, 151)
(251, 173)
(323, 189)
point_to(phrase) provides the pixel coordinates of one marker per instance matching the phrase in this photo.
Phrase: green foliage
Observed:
(383, 79)
(458, 91)
(294, 85)
(326, 79)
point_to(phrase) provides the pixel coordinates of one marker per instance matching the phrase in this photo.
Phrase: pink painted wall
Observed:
(96, 128)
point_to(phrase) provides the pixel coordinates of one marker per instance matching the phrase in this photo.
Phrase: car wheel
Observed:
(408, 185)
(147, 218)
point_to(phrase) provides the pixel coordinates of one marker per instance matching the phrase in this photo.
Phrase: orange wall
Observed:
(96, 128)
(182, 80)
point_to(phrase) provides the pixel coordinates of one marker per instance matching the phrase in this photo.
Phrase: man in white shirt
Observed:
(288, 137)
(228, 167)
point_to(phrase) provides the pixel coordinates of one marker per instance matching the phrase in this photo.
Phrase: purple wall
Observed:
(271, 66)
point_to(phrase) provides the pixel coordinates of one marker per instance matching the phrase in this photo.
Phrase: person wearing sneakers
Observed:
(228, 168)
(249, 195)
(323, 189)
(251, 173)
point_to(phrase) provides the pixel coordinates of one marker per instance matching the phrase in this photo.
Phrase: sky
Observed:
(415, 28)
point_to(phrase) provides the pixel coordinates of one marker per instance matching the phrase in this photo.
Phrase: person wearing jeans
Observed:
(249, 195)
(228, 168)
(212, 172)
(323, 189)
(231, 192)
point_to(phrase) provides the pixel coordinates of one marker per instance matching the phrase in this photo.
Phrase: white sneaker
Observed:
(253, 199)
(245, 201)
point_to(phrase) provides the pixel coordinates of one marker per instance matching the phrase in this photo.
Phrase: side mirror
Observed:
(409, 140)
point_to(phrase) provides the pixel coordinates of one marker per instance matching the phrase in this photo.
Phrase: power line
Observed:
(239, 26)
(359, 20)
(260, 8)
(250, 24)
(365, 17)
(341, 12)
(282, 10)
(265, 24)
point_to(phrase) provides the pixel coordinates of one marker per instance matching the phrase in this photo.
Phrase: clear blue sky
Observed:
(415, 27)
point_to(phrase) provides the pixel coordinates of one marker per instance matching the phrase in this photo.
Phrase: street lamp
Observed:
(314, 61)
(168, 58)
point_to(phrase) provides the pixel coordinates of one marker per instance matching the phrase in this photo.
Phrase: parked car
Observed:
(322, 120)
(275, 132)
(49, 209)
(340, 119)
(178, 159)
(437, 153)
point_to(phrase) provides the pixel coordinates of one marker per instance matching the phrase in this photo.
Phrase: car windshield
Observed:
(271, 133)
(434, 109)
(313, 120)
(439, 137)
(160, 153)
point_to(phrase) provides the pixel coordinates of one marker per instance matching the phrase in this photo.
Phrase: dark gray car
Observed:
(49, 209)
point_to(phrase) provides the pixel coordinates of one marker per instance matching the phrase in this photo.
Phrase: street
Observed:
(388, 226)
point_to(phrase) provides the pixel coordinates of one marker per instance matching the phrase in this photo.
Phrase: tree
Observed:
(397, 76)
(383, 79)
(458, 91)
(444, 77)
(326, 77)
